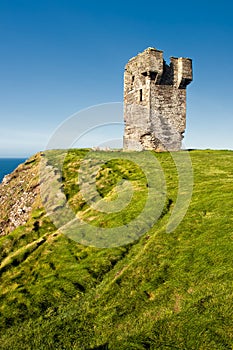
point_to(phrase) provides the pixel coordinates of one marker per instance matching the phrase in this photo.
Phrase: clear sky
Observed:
(61, 56)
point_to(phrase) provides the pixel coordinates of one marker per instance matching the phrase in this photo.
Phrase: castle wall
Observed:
(168, 116)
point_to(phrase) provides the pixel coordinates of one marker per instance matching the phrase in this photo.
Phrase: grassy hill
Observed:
(160, 291)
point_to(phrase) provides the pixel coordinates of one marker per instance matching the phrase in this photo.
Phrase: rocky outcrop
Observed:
(18, 192)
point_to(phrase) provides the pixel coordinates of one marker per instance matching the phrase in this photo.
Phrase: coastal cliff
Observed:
(18, 192)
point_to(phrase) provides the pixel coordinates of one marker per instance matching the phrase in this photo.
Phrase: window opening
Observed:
(140, 95)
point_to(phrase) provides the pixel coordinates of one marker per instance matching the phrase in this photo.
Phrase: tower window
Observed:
(132, 81)
(140, 95)
(153, 75)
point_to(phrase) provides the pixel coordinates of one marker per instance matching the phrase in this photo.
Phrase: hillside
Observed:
(158, 291)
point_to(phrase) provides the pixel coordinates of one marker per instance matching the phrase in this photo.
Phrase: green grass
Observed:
(161, 291)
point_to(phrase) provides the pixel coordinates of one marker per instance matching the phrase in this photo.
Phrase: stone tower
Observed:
(155, 101)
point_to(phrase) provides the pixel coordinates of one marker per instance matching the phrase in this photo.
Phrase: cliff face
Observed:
(18, 192)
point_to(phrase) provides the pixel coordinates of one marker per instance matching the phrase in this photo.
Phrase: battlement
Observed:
(150, 63)
(155, 100)
(182, 71)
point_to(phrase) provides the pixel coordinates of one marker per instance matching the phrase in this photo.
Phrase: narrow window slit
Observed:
(140, 95)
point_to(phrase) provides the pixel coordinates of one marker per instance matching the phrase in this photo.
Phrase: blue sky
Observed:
(59, 57)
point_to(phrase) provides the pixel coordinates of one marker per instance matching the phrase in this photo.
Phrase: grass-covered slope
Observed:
(162, 291)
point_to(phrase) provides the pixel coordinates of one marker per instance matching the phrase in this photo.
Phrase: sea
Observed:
(7, 165)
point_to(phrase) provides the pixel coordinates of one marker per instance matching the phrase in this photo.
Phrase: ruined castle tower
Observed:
(155, 101)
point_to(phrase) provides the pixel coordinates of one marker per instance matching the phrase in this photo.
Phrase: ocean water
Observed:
(7, 165)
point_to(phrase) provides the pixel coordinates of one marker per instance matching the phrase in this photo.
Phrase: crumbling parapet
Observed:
(155, 101)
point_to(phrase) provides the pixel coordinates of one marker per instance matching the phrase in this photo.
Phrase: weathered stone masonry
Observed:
(155, 101)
